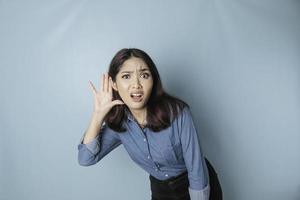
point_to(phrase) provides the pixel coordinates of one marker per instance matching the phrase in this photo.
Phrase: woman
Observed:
(156, 129)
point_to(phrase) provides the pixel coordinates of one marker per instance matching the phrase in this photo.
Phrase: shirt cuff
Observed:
(200, 194)
(93, 146)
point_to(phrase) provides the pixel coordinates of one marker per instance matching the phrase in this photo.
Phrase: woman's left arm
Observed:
(199, 187)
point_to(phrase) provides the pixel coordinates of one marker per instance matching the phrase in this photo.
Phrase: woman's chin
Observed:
(136, 105)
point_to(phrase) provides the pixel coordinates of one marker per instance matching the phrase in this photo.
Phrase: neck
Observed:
(140, 115)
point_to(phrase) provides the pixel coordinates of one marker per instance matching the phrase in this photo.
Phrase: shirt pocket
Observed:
(173, 154)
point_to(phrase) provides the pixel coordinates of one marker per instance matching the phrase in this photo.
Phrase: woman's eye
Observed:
(147, 75)
(125, 76)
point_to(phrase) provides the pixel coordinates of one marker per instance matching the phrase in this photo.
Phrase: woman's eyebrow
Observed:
(141, 70)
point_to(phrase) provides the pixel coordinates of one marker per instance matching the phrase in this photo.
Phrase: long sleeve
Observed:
(199, 187)
(99, 147)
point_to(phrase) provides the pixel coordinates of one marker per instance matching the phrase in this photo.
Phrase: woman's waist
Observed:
(174, 178)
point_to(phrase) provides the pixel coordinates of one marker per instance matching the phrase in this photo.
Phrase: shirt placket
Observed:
(143, 134)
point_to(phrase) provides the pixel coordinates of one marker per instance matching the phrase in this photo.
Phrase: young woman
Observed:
(156, 129)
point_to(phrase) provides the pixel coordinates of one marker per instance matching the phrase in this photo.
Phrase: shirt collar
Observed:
(129, 115)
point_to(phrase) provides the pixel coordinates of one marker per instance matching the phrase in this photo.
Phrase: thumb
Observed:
(118, 102)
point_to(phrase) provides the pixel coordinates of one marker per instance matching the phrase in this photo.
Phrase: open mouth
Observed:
(137, 97)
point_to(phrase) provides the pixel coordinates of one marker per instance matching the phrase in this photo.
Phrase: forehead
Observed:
(133, 64)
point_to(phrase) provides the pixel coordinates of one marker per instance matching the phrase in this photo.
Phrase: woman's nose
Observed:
(136, 81)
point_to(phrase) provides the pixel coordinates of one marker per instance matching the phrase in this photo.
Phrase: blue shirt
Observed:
(162, 154)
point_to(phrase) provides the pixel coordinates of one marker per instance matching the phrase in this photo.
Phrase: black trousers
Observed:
(176, 188)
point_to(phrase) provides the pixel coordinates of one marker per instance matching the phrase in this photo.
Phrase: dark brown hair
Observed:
(161, 107)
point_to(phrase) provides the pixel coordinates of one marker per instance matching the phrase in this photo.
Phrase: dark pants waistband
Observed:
(170, 189)
(170, 180)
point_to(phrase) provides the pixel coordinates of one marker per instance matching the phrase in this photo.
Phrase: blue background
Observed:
(236, 62)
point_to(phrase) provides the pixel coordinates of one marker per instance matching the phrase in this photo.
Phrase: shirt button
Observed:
(148, 157)
(166, 175)
(145, 140)
(156, 169)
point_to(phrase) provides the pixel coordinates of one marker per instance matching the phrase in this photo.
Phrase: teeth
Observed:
(136, 95)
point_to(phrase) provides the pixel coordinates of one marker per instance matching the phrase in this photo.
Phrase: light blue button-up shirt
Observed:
(162, 154)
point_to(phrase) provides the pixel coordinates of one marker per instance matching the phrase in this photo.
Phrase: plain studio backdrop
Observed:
(236, 62)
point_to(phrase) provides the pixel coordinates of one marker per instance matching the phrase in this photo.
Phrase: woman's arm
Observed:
(97, 142)
(93, 128)
(199, 187)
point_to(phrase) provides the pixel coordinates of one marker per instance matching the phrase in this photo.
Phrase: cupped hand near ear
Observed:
(103, 98)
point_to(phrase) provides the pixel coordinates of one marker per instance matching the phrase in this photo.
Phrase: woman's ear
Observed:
(114, 86)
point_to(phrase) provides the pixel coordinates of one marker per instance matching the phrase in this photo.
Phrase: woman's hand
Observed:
(103, 98)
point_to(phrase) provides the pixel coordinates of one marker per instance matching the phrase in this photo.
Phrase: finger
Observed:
(102, 86)
(106, 82)
(118, 102)
(92, 87)
(110, 85)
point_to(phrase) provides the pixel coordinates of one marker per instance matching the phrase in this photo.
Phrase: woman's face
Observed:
(134, 83)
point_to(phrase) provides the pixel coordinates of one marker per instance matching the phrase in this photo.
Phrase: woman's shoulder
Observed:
(180, 113)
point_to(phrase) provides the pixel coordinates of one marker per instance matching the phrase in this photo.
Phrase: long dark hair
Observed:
(161, 107)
